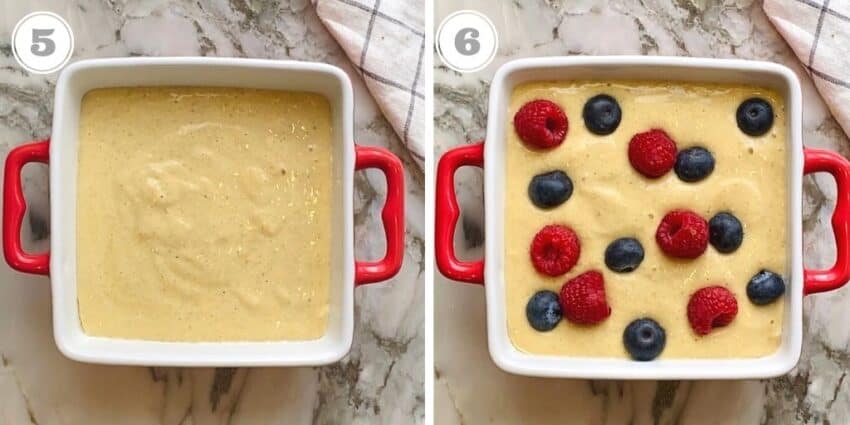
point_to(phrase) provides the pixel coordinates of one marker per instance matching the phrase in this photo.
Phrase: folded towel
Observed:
(385, 41)
(819, 33)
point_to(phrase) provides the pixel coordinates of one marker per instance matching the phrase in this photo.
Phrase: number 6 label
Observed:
(42, 42)
(467, 41)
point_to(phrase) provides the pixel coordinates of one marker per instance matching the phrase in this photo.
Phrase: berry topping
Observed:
(602, 114)
(725, 232)
(555, 250)
(652, 153)
(644, 339)
(583, 299)
(548, 190)
(543, 311)
(694, 164)
(765, 287)
(624, 255)
(541, 124)
(682, 234)
(711, 307)
(755, 116)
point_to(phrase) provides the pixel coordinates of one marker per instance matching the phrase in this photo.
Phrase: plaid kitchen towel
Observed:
(819, 33)
(385, 40)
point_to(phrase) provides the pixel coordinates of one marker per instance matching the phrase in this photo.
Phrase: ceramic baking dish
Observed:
(60, 152)
(490, 156)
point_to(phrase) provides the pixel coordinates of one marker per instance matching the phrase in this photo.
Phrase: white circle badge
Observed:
(467, 41)
(42, 42)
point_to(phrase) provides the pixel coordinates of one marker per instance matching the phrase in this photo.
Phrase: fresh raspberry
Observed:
(652, 153)
(583, 299)
(555, 250)
(682, 234)
(711, 307)
(541, 124)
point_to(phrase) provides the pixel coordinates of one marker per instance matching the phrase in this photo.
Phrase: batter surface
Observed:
(203, 214)
(611, 200)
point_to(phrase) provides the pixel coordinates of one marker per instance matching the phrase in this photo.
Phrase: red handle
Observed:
(14, 207)
(392, 215)
(448, 212)
(819, 160)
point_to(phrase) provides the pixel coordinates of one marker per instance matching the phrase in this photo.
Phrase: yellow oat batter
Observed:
(204, 214)
(611, 200)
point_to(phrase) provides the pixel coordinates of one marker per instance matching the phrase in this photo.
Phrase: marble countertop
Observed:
(380, 381)
(470, 390)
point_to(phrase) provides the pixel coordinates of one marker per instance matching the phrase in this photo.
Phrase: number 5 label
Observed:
(40, 38)
(42, 42)
(467, 41)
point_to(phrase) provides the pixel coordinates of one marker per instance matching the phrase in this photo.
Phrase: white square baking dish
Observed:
(79, 78)
(491, 155)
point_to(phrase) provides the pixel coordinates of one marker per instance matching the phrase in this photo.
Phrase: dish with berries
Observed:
(643, 218)
(650, 166)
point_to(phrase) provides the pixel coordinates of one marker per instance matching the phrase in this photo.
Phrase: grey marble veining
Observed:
(380, 381)
(470, 389)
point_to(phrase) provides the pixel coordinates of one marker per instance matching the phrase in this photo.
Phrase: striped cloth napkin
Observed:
(819, 33)
(385, 41)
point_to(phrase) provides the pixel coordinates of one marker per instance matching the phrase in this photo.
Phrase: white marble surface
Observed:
(379, 382)
(470, 389)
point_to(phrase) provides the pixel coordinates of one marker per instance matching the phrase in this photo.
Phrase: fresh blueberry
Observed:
(602, 114)
(548, 190)
(765, 287)
(644, 339)
(543, 311)
(725, 232)
(694, 164)
(755, 116)
(624, 255)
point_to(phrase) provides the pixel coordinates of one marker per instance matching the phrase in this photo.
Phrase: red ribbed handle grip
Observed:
(447, 213)
(14, 207)
(392, 215)
(819, 160)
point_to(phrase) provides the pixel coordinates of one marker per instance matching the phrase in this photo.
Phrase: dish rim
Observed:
(70, 338)
(684, 69)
